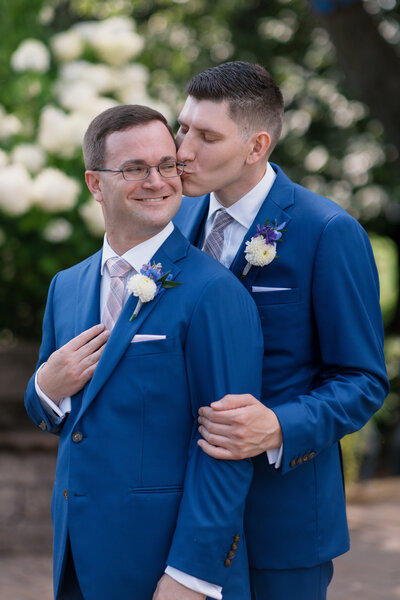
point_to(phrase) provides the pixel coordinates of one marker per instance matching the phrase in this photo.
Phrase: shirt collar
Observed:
(244, 211)
(140, 254)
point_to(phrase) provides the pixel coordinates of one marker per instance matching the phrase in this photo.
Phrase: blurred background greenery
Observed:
(64, 61)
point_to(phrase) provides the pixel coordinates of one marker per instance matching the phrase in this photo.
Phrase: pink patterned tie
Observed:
(117, 267)
(214, 242)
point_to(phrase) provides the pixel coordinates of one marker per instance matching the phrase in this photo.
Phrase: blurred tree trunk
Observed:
(372, 70)
(370, 64)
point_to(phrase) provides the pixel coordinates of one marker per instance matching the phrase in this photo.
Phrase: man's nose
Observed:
(154, 179)
(185, 149)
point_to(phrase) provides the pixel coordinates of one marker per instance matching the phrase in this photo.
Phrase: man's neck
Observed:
(231, 194)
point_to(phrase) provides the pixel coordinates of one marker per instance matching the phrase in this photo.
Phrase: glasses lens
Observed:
(169, 169)
(133, 173)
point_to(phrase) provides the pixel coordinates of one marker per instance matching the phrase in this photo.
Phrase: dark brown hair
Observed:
(254, 99)
(113, 119)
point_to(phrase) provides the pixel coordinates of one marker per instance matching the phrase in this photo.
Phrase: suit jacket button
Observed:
(312, 455)
(234, 546)
(231, 554)
(65, 492)
(236, 538)
(227, 562)
(293, 463)
(43, 425)
(77, 437)
(299, 460)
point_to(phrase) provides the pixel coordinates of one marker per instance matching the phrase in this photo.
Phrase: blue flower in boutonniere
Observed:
(261, 249)
(147, 284)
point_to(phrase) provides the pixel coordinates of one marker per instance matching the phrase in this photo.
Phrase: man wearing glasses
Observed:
(135, 339)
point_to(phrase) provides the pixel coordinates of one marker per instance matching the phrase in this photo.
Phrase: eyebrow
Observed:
(203, 129)
(140, 161)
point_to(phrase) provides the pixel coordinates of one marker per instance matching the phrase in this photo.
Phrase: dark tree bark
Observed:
(370, 64)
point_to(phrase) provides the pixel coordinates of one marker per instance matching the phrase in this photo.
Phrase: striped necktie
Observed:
(214, 243)
(117, 267)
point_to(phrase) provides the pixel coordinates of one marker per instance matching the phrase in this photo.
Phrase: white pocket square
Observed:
(256, 288)
(143, 337)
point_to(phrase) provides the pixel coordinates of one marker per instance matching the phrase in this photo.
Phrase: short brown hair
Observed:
(113, 119)
(254, 99)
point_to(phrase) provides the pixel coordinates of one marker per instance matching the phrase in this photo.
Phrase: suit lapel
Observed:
(195, 218)
(88, 294)
(280, 197)
(174, 248)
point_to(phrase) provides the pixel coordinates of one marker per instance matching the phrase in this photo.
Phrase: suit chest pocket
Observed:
(278, 297)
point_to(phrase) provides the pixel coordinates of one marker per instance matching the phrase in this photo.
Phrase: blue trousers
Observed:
(301, 584)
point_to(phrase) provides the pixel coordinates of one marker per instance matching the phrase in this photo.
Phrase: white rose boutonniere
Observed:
(147, 284)
(261, 249)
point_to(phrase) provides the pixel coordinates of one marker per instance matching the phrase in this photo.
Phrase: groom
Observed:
(318, 299)
(134, 494)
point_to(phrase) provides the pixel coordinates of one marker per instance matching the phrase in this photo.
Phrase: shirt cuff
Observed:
(58, 413)
(197, 585)
(275, 456)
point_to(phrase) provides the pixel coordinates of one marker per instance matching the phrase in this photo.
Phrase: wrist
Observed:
(44, 386)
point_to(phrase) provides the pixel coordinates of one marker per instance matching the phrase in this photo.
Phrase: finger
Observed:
(93, 345)
(226, 417)
(85, 337)
(216, 428)
(89, 365)
(232, 401)
(214, 451)
(215, 440)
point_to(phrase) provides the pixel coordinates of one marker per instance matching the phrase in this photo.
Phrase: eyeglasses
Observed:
(168, 169)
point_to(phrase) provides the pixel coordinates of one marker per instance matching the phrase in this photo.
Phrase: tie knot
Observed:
(118, 267)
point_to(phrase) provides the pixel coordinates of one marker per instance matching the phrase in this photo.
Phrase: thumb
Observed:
(231, 401)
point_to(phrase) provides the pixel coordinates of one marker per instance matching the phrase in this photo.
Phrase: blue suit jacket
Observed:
(324, 372)
(141, 493)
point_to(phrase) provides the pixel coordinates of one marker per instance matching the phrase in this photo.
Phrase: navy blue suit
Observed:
(141, 493)
(323, 374)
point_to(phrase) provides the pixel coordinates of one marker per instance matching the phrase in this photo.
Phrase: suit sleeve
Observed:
(352, 384)
(223, 354)
(37, 413)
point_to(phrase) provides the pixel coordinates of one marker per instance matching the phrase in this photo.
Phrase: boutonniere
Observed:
(147, 284)
(261, 249)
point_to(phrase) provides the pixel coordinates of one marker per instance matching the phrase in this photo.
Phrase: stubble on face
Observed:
(214, 149)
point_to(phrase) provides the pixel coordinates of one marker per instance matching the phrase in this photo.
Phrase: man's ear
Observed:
(260, 143)
(93, 182)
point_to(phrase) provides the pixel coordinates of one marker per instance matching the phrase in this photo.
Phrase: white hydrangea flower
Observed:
(116, 42)
(58, 230)
(31, 156)
(53, 191)
(258, 253)
(101, 78)
(67, 45)
(142, 286)
(31, 55)
(9, 124)
(92, 214)
(72, 96)
(58, 132)
(3, 159)
(15, 190)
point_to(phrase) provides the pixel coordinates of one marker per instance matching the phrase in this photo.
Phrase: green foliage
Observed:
(330, 142)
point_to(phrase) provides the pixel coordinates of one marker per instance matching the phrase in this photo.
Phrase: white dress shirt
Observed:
(244, 211)
(136, 257)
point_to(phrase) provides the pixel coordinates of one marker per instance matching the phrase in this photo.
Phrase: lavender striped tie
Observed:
(214, 242)
(117, 267)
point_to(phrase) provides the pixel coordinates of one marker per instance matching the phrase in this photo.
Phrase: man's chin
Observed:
(194, 190)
